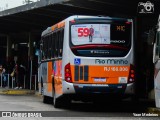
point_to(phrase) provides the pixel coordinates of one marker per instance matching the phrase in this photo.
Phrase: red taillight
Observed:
(131, 74)
(67, 72)
(128, 22)
(72, 21)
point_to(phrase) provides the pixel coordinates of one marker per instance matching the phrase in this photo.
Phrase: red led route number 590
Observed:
(83, 32)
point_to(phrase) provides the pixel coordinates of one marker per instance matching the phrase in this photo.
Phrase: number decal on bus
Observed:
(83, 32)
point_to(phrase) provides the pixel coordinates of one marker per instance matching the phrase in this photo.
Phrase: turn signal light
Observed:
(68, 77)
(131, 74)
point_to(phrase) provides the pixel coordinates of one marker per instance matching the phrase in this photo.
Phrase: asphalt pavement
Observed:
(140, 107)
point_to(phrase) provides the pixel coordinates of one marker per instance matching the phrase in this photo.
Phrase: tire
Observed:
(67, 102)
(45, 99)
(134, 99)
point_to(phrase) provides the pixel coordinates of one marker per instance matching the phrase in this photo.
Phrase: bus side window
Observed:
(59, 37)
(44, 47)
(49, 46)
(53, 45)
(56, 44)
(61, 42)
(41, 51)
(158, 45)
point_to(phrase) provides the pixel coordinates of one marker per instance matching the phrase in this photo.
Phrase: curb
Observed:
(17, 92)
(154, 110)
(38, 94)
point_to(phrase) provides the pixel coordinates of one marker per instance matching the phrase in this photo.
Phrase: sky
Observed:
(7, 4)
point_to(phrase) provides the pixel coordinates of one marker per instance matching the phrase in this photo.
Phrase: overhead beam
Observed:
(31, 6)
(107, 8)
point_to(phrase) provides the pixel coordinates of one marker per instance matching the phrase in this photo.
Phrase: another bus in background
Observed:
(156, 61)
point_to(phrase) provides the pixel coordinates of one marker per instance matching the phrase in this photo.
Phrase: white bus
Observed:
(85, 58)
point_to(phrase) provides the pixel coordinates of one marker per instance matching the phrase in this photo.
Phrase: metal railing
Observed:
(10, 82)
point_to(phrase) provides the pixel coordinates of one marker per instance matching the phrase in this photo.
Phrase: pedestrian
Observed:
(91, 33)
(3, 76)
(20, 72)
(18, 83)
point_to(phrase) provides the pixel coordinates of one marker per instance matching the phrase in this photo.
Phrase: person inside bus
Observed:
(91, 33)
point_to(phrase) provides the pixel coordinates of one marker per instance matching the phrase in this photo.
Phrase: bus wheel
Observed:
(67, 102)
(134, 99)
(45, 99)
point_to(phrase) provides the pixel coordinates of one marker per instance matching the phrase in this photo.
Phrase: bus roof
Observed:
(62, 23)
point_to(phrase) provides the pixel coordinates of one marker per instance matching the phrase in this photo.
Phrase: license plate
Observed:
(99, 79)
(122, 79)
(100, 85)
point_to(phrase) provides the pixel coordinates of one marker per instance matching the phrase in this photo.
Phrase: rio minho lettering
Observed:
(111, 61)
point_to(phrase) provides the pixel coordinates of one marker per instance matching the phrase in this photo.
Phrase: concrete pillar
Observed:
(30, 48)
(30, 56)
(9, 49)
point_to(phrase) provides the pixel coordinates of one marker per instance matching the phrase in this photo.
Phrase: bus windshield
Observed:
(101, 39)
